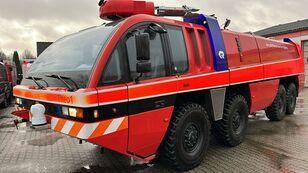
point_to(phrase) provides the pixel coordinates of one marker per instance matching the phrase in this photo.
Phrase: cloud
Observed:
(23, 23)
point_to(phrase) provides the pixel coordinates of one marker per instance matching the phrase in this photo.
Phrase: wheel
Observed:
(277, 110)
(291, 98)
(187, 139)
(230, 130)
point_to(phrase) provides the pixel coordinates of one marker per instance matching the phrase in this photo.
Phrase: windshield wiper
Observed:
(35, 79)
(62, 79)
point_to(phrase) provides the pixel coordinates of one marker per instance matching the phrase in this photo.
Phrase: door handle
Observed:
(160, 104)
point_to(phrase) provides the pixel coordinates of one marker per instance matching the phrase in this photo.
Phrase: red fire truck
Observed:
(146, 86)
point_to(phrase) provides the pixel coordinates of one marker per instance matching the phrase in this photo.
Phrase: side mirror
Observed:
(227, 23)
(143, 47)
(143, 67)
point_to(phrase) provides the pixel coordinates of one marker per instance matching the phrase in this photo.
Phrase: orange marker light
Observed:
(95, 113)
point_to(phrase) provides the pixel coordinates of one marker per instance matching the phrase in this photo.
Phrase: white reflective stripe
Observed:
(87, 130)
(67, 127)
(54, 122)
(114, 125)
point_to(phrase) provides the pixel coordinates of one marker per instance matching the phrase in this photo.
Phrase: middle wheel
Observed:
(231, 129)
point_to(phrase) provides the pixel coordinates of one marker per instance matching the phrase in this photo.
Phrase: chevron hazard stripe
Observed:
(88, 130)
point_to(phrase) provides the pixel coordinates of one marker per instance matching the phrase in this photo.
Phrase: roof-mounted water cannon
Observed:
(175, 11)
(117, 9)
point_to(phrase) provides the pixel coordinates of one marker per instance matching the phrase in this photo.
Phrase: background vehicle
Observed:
(5, 87)
(146, 86)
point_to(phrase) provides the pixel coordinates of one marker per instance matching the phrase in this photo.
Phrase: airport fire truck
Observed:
(147, 86)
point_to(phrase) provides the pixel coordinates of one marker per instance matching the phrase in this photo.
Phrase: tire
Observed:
(277, 110)
(187, 139)
(231, 129)
(291, 99)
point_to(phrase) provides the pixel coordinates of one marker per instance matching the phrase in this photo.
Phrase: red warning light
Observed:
(116, 9)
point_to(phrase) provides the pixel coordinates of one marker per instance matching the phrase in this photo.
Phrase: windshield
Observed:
(75, 55)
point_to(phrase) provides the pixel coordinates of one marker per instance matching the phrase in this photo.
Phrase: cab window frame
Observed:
(181, 29)
(125, 60)
(123, 64)
(164, 44)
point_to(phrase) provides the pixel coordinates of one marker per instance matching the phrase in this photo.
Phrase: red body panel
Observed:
(116, 141)
(152, 88)
(272, 50)
(262, 94)
(146, 131)
(112, 94)
(246, 74)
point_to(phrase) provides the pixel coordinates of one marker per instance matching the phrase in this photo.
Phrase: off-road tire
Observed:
(177, 149)
(291, 99)
(231, 129)
(277, 110)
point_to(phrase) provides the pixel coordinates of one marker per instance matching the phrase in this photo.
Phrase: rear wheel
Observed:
(291, 98)
(277, 110)
(187, 139)
(231, 129)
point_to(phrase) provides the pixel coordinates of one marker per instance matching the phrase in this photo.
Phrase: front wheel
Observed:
(187, 139)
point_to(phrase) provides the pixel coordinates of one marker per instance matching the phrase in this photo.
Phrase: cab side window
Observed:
(113, 72)
(178, 49)
(157, 58)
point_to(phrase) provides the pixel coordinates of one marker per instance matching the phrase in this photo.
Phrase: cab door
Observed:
(151, 98)
(112, 100)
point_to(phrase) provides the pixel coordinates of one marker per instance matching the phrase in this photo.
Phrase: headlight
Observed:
(75, 112)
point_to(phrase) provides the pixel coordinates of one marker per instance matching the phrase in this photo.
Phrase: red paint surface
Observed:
(242, 75)
(112, 93)
(146, 131)
(116, 141)
(262, 94)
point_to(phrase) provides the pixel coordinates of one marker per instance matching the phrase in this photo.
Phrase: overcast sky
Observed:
(24, 22)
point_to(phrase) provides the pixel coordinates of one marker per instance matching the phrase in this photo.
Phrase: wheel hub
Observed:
(191, 137)
(236, 121)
